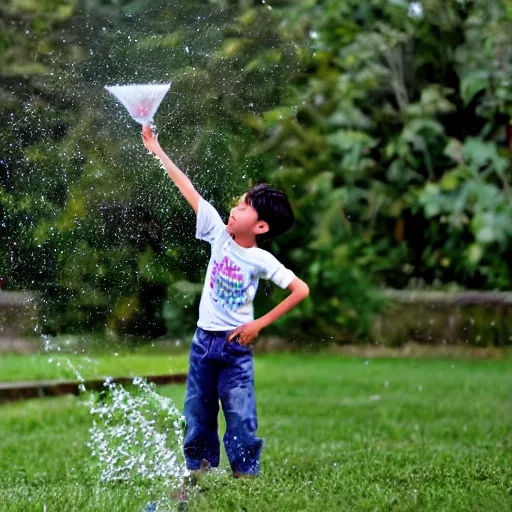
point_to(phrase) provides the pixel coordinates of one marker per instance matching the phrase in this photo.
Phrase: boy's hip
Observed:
(214, 346)
(210, 332)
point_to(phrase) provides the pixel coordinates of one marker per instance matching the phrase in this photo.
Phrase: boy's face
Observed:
(243, 219)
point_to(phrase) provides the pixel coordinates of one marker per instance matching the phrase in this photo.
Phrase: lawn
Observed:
(340, 434)
(55, 366)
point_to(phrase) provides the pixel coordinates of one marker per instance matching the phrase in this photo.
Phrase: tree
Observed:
(394, 151)
(111, 238)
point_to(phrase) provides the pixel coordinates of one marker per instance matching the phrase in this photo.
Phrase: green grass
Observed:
(53, 366)
(340, 434)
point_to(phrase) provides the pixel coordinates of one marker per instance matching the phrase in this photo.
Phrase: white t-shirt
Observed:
(233, 274)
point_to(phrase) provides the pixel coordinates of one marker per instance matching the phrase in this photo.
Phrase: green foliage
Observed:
(394, 151)
(111, 234)
(388, 128)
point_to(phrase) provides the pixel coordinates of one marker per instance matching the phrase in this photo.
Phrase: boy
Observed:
(221, 362)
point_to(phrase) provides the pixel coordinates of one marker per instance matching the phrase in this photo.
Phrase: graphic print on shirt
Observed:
(227, 285)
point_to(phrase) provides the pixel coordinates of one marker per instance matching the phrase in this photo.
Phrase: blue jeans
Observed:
(219, 370)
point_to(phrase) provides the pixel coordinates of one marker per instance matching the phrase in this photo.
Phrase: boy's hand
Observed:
(150, 140)
(247, 332)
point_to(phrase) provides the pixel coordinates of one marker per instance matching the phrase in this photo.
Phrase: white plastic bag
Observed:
(141, 100)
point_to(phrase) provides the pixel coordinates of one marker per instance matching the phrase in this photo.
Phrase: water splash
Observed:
(141, 101)
(138, 436)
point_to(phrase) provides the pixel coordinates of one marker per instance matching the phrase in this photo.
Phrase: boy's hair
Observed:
(273, 207)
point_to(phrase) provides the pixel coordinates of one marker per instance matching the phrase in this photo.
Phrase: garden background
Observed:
(387, 123)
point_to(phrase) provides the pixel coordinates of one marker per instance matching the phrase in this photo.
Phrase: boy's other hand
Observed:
(247, 333)
(150, 140)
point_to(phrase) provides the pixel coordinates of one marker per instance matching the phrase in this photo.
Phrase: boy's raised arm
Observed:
(180, 179)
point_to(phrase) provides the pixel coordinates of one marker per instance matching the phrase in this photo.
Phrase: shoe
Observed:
(205, 466)
(198, 474)
(181, 494)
